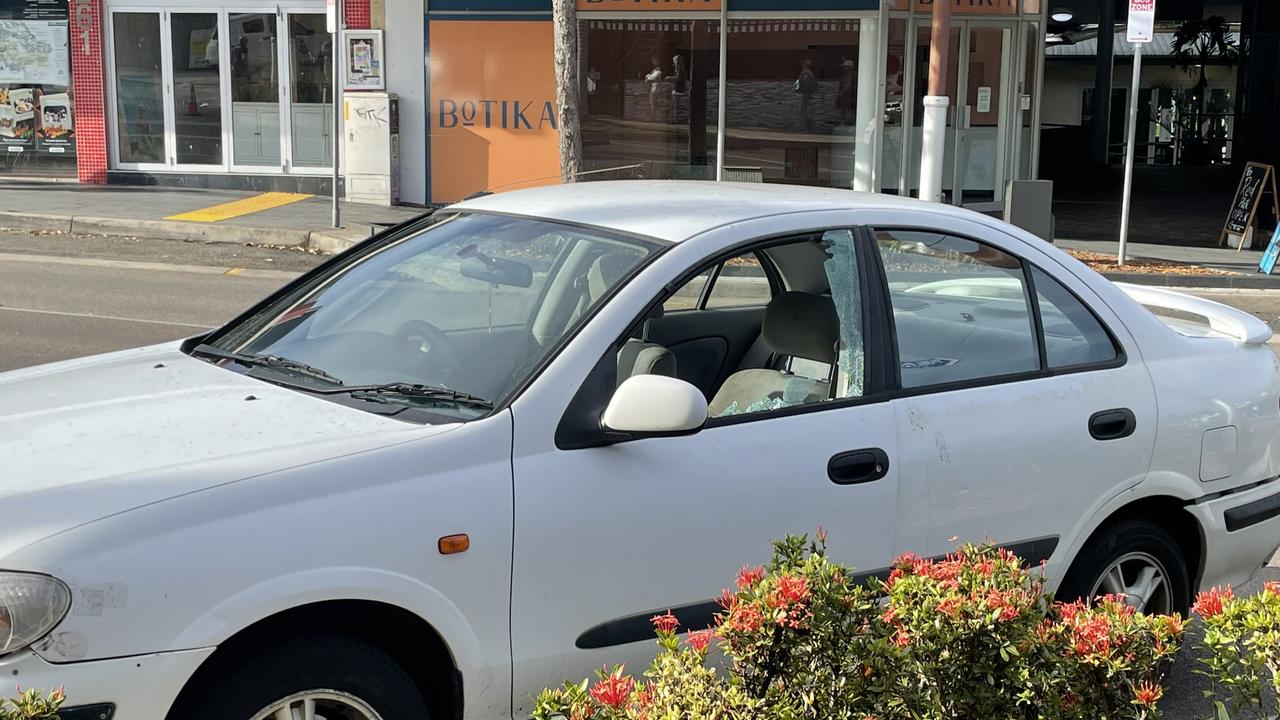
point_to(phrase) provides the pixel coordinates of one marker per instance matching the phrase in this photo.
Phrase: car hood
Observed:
(88, 438)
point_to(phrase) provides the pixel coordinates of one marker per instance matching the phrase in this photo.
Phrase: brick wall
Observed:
(87, 85)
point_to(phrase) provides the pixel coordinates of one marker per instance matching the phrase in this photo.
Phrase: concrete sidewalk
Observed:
(142, 212)
(1243, 263)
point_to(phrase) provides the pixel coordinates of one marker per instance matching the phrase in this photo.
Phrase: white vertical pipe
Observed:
(1125, 206)
(933, 147)
(722, 103)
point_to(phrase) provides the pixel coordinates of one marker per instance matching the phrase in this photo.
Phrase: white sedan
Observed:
(473, 456)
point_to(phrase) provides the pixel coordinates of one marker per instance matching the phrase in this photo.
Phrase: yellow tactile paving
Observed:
(254, 204)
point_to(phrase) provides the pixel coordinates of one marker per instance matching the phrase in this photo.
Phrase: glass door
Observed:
(138, 89)
(983, 117)
(310, 91)
(256, 130)
(196, 71)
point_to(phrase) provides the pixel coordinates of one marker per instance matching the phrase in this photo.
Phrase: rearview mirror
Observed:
(498, 271)
(656, 405)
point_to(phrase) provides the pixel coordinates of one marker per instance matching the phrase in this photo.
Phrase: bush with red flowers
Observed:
(967, 637)
(1241, 650)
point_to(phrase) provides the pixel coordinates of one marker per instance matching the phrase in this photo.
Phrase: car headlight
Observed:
(30, 607)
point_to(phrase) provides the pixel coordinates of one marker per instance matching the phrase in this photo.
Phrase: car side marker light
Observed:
(454, 544)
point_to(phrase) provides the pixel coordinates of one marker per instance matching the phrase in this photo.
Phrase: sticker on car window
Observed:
(929, 363)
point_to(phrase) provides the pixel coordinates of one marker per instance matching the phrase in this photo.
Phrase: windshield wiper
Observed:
(379, 393)
(272, 361)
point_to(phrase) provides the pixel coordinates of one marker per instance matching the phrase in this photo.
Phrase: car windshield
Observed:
(449, 320)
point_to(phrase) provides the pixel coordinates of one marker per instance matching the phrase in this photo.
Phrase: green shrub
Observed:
(32, 705)
(1241, 649)
(968, 637)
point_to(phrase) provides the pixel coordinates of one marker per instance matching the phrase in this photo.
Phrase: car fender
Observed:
(1158, 484)
(317, 585)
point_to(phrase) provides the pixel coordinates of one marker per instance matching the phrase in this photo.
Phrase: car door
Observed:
(1019, 413)
(608, 536)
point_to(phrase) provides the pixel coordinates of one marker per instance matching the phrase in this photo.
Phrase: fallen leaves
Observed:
(1107, 264)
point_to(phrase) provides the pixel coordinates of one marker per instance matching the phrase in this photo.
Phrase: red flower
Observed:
(1209, 603)
(902, 639)
(906, 560)
(950, 606)
(728, 600)
(749, 576)
(1271, 586)
(894, 575)
(614, 691)
(1148, 693)
(746, 618)
(665, 623)
(890, 616)
(700, 640)
(791, 590)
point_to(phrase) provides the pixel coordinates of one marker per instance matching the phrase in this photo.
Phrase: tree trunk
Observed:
(564, 13)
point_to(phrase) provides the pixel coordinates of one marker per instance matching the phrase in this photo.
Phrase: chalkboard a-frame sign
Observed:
(1244, 204)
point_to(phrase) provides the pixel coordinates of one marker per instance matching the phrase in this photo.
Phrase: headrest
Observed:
(802, 325)
(607, 270)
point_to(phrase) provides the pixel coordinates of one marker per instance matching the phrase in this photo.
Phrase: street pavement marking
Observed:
(226, 211)
(144, 321)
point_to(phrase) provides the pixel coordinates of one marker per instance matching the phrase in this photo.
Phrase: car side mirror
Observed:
(656, 406)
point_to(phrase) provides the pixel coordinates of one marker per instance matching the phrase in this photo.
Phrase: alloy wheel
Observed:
(1140, 580)
(318, 705)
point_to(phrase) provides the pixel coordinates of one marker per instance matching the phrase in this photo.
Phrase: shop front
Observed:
(37, 125)
(224, 90)
(817, 92)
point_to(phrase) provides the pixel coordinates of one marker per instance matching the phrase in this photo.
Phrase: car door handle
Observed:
(858, 466)
(1112, 424)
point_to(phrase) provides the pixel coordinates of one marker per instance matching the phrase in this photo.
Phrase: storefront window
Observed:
(895, 70)
(801, 100)
(651, 96)
(255, 89)
(37, 131)
(198, 110)
(310, 50)
(139, 88)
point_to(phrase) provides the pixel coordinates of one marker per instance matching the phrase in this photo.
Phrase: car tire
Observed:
(347, 678)
(1129, 545)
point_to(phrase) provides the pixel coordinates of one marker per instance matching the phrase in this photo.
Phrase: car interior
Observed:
(761, 331)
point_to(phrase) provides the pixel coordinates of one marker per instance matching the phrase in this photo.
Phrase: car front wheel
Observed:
(323, 677)
(1136, 560)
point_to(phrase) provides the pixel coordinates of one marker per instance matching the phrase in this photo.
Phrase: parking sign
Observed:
(1142, 20)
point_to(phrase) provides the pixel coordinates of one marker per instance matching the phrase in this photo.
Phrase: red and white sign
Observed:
(1142, 20)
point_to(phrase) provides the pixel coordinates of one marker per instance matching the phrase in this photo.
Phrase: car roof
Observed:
(675, 210)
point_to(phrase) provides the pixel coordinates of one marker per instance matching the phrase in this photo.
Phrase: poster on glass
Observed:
(363, 60)
(17, 118)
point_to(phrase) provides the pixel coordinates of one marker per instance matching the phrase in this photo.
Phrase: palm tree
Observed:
(565, 21)
(1195, 44)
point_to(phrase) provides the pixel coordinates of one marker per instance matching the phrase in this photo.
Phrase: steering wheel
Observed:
(427, 350)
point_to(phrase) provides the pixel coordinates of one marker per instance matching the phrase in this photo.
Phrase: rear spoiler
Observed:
(1222, 319)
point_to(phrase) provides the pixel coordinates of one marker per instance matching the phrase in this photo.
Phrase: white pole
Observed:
(1134, 88)
(337, 108)
(722, 122)
(933, 146)
(865, 110)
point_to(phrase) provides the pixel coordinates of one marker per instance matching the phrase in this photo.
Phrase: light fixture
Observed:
(1062, 15)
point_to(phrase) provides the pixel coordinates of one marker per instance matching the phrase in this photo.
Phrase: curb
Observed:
(1205, 282)
(333, 241)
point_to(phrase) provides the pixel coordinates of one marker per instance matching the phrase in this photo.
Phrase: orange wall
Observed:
(491, 110)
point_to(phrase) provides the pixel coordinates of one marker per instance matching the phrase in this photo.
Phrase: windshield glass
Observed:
(452, 318)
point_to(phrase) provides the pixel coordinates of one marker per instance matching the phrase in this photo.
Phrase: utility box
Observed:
(1029, 205)
(371, 147)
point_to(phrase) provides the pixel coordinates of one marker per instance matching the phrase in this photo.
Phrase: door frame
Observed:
(164, 9)
(1012, 71)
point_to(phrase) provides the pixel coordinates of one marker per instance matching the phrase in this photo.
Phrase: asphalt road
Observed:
(84, 295)
(65, 296)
